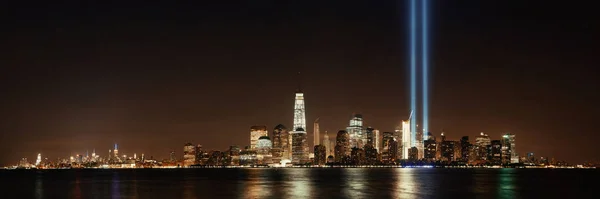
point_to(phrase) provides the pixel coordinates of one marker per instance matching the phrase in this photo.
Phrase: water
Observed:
(299, 183)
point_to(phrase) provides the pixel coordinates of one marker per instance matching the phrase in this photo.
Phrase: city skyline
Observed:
(76, 82)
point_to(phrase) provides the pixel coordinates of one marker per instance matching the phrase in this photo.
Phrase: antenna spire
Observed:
(299, 90)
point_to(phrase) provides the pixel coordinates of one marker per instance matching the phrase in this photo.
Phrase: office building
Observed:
(255, 133)
(355, 131)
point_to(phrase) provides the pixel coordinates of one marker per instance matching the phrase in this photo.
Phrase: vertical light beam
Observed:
(425, 70)
(413, 71)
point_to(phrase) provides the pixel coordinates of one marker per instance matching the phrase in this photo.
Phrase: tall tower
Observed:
(116, 151)
(299, 142)
(355, 130)
(38, 160)
(327, 144)
(299, 111)
(281, 144)
(406, 138)
(317, 138)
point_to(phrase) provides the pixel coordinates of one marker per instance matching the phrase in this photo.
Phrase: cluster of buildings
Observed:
(355, 145)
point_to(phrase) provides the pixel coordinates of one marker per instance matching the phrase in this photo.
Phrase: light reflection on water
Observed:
(300, 183)
(506, 184)
(406, 186)
(39, 186)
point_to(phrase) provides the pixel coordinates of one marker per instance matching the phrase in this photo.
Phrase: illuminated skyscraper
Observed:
(263, 150)
(327, 144)
(342, 146)
(299, 111)
(495, 156)
(509, 152)
(387, 141)
(317, 135)
(281, 143)
(299, 142)
(38, 160)
(355, 131)
(377, 141)
(320, 155)
(482, 143)
(116, 152)
(406, 138)
(189, 154)
(299, 147)
(255, 133)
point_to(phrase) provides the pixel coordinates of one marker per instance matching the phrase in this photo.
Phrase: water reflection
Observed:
(300, 183)
(39, 186)
(255, 185)
(116, 192)
(77, 191)
(506, 184)
(406, 186)
(357, 183)
(189, 188)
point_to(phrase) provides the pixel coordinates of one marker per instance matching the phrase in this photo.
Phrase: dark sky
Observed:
(153, 76)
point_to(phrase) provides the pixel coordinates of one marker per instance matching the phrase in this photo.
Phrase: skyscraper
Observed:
(320, 155)
(387, 141)
(482, 143)
(355, 131)
(299, 142)
(370, 135)
(255, 133)
(317, 135)
(38, 160)
(495, 156)
(280, 140)
(406, 138)
(299, 147)
(342, 146)
(509, 152)
(116, 153)
(189, 154)
(299, 111)
(327, 144)
(377, 145)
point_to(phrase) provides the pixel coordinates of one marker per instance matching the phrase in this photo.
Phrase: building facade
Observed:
(255, 133)
(355, 131)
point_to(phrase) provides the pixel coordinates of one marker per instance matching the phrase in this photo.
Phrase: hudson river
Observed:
(300, 183)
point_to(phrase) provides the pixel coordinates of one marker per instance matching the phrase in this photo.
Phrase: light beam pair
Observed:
(419, 21)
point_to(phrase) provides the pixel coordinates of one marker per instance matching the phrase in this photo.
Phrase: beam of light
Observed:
(413, 70)
(425, 71)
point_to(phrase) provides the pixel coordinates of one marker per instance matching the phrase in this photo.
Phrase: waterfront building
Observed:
(430, 149)
(320, 157)
(298, 137)
(482, 143)
(317, 134)
(263, 150)
(355, 131)
(406, 138)
(377, 137)
(189, 155)
(464, 149)
(342, 147)
(358, 156)
(447, 150)
(327, 144)
(413, 154)
(387, 140)
(255, 133)
(281, 143)
(509, 152)
(370, 155)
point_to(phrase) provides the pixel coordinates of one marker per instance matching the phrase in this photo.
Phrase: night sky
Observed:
(153, 76)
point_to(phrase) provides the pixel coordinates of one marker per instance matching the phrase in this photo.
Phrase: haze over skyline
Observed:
(152, 77)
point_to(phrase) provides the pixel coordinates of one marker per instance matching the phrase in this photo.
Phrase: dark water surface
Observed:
(300, 183)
